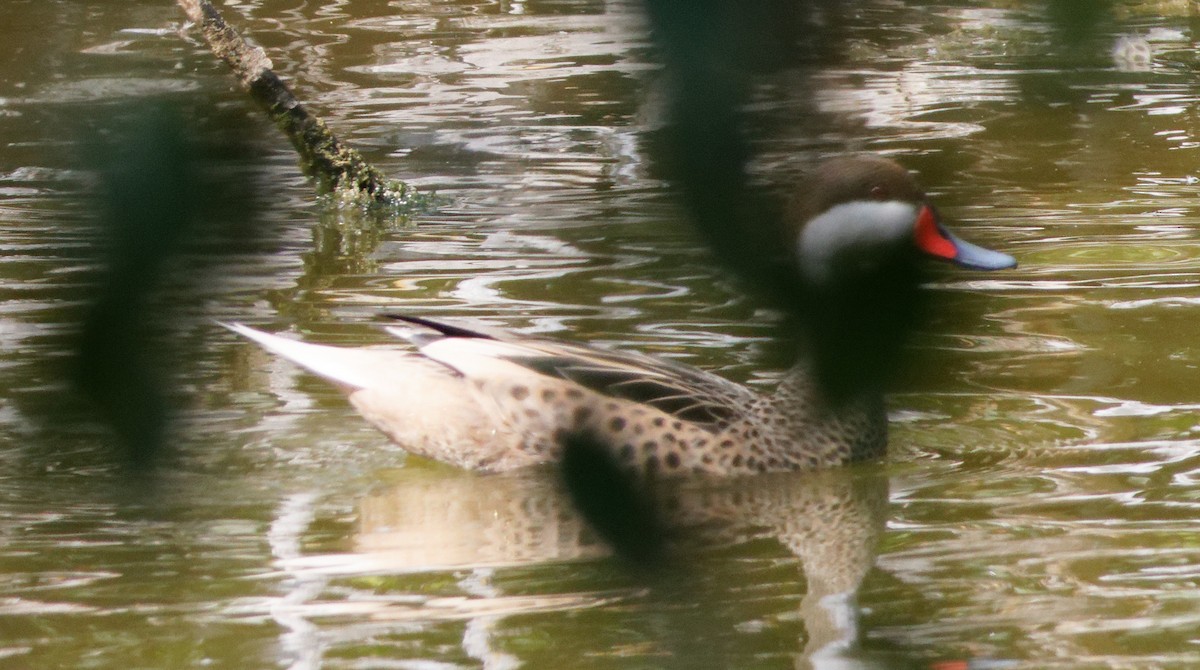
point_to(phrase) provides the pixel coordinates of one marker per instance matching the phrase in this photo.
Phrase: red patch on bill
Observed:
(929, 236)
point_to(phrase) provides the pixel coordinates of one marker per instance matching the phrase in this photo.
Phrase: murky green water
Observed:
(1038, 508)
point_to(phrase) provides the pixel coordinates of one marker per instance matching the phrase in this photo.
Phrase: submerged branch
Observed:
(337, 168)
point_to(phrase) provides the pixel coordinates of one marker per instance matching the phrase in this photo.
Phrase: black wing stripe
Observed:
(445, 329)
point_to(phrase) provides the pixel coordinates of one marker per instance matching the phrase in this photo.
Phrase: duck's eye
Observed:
(878, 193)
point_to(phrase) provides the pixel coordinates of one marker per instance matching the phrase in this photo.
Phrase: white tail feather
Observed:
(353, 368)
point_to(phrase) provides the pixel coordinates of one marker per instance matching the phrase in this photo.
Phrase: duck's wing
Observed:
(682, 391)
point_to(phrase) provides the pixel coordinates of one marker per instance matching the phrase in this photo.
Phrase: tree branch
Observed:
(336, 167)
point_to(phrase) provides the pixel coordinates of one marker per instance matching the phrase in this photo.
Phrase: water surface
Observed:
(1038, 505)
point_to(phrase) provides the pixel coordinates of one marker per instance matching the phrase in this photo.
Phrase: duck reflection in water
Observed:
(493, 526)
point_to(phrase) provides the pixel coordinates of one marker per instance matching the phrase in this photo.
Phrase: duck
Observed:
(491, 400)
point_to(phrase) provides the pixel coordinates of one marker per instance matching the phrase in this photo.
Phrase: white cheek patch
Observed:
(849, 230)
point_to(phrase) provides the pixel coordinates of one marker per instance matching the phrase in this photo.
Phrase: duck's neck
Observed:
(822, 432)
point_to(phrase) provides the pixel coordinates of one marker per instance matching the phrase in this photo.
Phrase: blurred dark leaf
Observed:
(619, 505)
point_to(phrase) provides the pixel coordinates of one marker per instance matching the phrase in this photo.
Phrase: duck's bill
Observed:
(934, 240)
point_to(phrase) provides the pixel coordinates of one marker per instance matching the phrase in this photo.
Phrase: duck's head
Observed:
(863, 231)
(860, 214)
